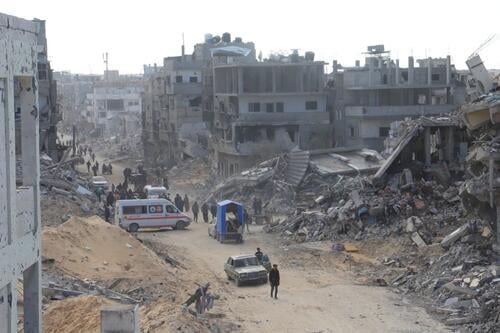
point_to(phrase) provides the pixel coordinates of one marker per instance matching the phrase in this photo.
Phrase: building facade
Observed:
(263, 108)
(50, 114)
(368, 98)
(20, 227)
(114, 107)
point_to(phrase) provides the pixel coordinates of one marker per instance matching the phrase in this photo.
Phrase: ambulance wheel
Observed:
(181, 225)
(133, 227)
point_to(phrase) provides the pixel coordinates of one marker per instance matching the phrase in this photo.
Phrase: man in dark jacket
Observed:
(213, 210)
(186, 203)
(274, 280)
(204, 212)
(177, 201)
(195, 210)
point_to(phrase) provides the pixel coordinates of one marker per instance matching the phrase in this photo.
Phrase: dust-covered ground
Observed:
(318, 292)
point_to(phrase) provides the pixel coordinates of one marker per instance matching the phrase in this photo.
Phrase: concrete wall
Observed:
(20, 226)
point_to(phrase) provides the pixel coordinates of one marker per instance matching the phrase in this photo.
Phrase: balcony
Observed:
(398, 111)
(283, 118)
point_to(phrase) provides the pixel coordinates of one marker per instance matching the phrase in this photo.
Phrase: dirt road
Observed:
(314, 296)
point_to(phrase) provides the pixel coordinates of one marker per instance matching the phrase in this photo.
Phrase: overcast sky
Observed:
(143, 32)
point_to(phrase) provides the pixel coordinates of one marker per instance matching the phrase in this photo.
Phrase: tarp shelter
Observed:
(223, 208)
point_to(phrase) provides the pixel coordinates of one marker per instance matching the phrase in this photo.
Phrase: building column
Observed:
(427, 146)
(240, 80)
(31, 177)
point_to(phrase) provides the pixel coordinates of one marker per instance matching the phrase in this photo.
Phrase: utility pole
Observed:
(106, 61)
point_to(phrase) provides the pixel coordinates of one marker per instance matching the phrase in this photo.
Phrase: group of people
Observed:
(183, 205)
(106, 168)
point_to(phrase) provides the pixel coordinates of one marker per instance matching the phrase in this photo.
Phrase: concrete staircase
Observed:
(298, 161)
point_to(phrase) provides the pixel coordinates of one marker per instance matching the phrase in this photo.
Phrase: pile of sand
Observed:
(78, 315)
(91, 248)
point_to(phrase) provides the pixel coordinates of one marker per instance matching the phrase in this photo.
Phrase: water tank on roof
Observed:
(238, 40)
(309, 56)
(215, 39)
(226, 37)
(208, 38)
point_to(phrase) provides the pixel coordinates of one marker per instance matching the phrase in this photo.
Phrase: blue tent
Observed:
(222, 208)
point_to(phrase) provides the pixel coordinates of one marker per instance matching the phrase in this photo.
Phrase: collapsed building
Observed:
(369, 98)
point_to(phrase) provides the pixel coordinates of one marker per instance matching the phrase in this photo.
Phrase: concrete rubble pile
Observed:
(266, 181)
(64, 191)
(445, 225)
(120, 148)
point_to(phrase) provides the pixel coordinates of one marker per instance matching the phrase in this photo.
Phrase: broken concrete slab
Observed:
(455, 236)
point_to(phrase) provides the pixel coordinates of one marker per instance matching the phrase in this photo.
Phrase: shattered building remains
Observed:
(50, 114)
(263, 108)
(20, 227)
(177, 100)
(368, 98)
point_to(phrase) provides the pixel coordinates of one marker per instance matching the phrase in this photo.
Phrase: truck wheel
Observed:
(133, 227)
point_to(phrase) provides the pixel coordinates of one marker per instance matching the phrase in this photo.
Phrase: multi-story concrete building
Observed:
(175, 101)
(114, 106)
(263, 108)
(368, 98)
(73, 90)
(20, 227)
(47, 96)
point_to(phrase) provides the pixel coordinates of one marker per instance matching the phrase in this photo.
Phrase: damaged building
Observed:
(114, 105)
(177, 99)
(50, 114)
(369, 98)
(20, 227)
(263, 108)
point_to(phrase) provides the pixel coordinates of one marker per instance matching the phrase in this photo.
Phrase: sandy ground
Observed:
(314, 296)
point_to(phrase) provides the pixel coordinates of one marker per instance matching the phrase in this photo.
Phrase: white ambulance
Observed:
(132, 215)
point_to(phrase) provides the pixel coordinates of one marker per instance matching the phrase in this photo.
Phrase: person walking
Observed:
(107, 212)
(88, 166)
(177, 201)
(213, 210)
(204, 212)
(186, 203)
(99, 192)
(255, 206)
(195, 210)
(274, 280)
(110, 199)
(93, 157)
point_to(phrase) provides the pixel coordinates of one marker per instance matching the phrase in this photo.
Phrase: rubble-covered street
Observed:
(176, 167)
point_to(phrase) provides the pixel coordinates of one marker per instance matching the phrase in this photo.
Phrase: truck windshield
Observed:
(246, 262)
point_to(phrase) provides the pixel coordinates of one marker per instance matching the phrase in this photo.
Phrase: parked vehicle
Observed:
(99, 182)
(133, 215)
(154, 192)
(245, 268)
(229, 223)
